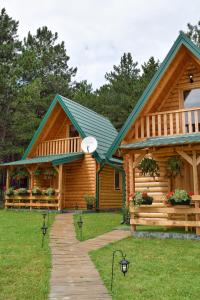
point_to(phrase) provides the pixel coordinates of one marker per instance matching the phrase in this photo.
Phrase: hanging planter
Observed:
(19, 173)
(49, 173)
(38, 172)
(149, 167)
(174, 166)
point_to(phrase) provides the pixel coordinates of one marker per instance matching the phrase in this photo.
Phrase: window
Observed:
(72, 131)
(191, 98)
(117, 180)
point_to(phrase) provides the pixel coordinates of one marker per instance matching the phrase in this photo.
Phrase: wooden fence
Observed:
(32, 201)
(158, 214)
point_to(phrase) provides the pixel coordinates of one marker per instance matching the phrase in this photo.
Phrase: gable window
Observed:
(72, 131)
(192, 100)
(117, 180)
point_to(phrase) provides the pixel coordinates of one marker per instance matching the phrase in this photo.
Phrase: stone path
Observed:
(74, 276)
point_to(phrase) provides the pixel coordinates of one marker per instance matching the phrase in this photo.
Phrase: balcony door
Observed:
(192, 100)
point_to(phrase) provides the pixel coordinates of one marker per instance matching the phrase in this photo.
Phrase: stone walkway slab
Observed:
(73, 275)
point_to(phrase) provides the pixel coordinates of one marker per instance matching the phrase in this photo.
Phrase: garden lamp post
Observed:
(80, 226)
(44, 228)
(124, 265)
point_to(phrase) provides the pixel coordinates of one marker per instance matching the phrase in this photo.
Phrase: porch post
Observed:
(195, 173)
(60, 186)
(7, 178)
(131, 175)
(131, 181)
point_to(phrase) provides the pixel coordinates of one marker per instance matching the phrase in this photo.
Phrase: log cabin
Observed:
(57, 145)
(165, 123)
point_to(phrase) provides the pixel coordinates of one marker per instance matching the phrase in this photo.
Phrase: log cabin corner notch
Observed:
(165, 122)
(56, 144)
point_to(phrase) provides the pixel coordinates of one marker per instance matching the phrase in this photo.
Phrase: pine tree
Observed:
(9, 52)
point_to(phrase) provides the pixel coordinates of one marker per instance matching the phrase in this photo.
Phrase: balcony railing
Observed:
(60, 146)
(166, 123)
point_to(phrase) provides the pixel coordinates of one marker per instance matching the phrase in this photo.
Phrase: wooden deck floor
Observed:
(74, 276)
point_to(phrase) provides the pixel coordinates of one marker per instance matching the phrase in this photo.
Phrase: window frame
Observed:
(118, 187)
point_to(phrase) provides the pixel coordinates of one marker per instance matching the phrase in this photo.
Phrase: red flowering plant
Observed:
(178, 197)
(141, 198)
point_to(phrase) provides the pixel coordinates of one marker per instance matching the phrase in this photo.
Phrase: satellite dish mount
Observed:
(89, 144)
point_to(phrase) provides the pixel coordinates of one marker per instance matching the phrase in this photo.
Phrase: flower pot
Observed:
(187, 202)
(147, 201)
(89, 206)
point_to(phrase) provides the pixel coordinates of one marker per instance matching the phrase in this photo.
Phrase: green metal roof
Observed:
(87, 123)
(54, 159)
(181, 40)
(164, 141)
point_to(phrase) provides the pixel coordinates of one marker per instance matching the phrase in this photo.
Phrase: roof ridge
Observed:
(87, 108)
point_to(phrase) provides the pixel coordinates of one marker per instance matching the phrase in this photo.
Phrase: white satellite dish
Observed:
(89, 144)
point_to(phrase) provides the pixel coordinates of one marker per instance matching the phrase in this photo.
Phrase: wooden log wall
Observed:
(108, 196)
(79, 178)
(162, 184)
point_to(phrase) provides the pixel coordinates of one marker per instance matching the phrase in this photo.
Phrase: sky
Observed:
(97, 32)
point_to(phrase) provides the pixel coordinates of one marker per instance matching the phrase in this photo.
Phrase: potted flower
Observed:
(141, 199)
(10, 192)
(50, 192)
(36, 191)
(90, 200)
(179, 197)
(22, 192)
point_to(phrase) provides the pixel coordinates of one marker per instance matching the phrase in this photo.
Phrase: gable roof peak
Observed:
(182, 39)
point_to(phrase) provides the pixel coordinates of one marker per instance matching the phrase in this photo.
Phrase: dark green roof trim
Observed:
(68, 158)
(164, 141)
(181, 40)
(37, 132)
(54, 159)
(86, 121)
(114, 160)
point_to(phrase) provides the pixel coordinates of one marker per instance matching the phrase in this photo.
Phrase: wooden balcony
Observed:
(60, 146)
(166, 123)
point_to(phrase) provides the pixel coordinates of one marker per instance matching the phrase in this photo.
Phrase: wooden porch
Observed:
(158, 214)
(37, 201)
(167, 123)
(58, 146)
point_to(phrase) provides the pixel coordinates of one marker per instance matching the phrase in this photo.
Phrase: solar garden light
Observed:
(80, 226)
(124, 265)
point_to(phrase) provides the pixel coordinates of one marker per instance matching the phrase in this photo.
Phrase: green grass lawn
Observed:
(95, 224)
(24, 265)
(159, 269)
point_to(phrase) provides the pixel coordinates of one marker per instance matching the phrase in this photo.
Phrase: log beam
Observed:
(195, 173)
(185, 156)
(8, 179)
